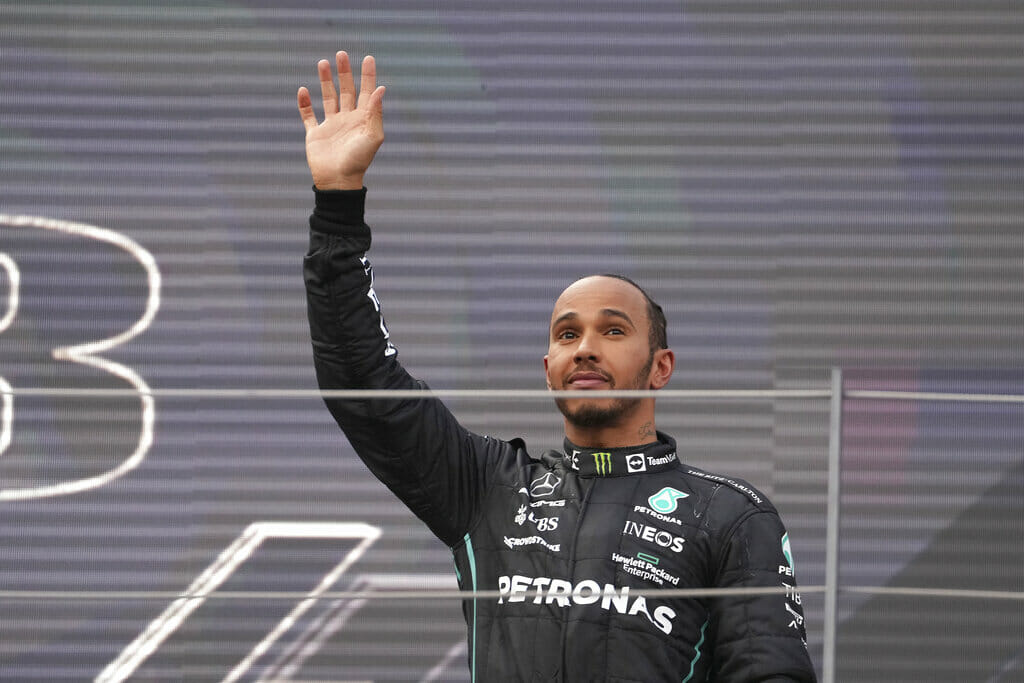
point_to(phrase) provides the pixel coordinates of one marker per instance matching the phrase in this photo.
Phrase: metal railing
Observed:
(836, 394)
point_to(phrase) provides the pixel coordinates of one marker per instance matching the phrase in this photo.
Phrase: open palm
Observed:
(341, 147)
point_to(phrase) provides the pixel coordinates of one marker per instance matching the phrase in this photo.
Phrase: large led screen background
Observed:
(801, 185)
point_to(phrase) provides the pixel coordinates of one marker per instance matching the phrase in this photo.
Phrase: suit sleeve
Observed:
(414, 446)
(759, 638)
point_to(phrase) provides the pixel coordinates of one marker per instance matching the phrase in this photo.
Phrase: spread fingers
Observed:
(306, 109)
(323, 68)
(367, 82)
(346, 88)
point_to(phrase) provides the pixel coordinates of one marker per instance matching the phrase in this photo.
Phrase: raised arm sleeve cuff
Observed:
(340, 212)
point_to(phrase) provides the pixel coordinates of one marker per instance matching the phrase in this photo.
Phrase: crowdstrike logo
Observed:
(544, 590)
(513, 543)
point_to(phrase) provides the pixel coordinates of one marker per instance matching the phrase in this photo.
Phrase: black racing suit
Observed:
(568, 538)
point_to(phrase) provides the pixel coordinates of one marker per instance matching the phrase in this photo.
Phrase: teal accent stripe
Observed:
(696, 656)
(472, 573)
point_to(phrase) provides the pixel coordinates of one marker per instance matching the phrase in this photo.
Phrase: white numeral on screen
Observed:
(6, 395)
(226, 564)
(88, 353)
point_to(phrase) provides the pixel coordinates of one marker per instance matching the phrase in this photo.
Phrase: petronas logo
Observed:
(603, 463)
(666, 500)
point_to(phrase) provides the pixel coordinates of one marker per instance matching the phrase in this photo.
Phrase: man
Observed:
(570, 539)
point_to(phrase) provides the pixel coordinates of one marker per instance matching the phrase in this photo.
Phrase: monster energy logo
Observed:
(603, 462)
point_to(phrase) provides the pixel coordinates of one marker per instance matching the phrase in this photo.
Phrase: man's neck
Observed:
(618, 436)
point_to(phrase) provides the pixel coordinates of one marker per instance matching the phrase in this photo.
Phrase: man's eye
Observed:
(616, 330)
(567, 334)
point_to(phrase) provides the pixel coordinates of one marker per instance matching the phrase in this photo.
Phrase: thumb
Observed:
(377, 101)
(377, 110)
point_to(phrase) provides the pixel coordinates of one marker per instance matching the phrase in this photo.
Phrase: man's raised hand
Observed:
(341, 148)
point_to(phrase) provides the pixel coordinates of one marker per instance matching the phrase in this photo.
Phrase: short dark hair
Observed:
(658, 333)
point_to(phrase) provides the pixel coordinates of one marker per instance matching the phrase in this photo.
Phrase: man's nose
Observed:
(587, 349)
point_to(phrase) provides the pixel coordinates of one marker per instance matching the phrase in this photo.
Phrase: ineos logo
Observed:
(654, 535)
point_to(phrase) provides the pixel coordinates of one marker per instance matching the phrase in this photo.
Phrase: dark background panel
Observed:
(799, 186)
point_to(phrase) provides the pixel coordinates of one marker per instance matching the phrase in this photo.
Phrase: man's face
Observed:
(599, 340)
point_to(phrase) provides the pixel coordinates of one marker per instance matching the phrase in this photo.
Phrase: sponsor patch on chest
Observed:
(654, 535)
(548, 591)
(644, 566)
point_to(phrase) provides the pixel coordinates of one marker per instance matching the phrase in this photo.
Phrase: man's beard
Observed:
(598, 417)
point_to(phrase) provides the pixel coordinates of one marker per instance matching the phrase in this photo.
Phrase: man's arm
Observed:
(415, 446)
(759, 638)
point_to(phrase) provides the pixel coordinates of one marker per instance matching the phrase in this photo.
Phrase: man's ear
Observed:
(547, 379)
(662, 367)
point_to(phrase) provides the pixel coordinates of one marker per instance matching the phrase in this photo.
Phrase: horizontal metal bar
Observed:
(933, 396)
(453, 594)
(41, 595)
(504, 394)
(514, 394)
(966, 594)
